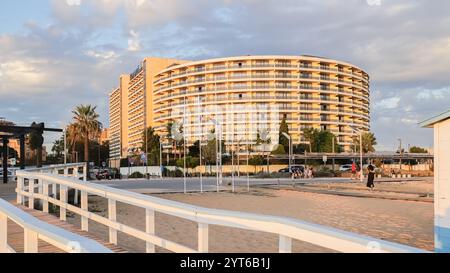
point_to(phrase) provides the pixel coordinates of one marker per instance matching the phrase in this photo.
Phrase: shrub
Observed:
(326, 172)
(136, 175)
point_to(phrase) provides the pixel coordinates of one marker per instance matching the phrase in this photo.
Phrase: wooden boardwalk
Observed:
(16, 235)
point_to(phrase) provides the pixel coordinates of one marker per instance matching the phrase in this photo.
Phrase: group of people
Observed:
(306, 173)
(356, 172)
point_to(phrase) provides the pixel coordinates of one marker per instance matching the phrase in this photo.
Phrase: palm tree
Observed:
(368, 142)
(72, 138)
(86, 125)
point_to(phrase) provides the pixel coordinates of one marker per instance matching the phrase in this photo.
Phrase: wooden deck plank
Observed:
(16, 236)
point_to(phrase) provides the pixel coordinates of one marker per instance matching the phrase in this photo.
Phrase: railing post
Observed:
(54, 191)
(62, 198)
(75, 194)
(31, 192)
(112, 215)
(203, 238)
(30, 241)
(40, 191)
(3, 233)
(45, 193)
(84, 207)
(66, 171)
(285, 244)
(19, 190)
(150, 228)
(85, 172)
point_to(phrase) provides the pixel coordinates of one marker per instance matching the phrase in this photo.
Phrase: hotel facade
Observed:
(240, 97)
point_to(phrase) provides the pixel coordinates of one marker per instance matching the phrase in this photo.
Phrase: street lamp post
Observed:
(401, 154)
(232, 167)
(357, 131)
(201, 166)
(218, 152)
(248, 165)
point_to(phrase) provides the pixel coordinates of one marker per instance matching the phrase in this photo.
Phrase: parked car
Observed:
(293, 169)
(345, 168)
(108, 173)
(9, 173)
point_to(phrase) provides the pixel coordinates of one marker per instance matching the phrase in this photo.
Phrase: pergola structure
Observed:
(18, 132)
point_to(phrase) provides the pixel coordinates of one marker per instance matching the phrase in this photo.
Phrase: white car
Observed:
(345, 168)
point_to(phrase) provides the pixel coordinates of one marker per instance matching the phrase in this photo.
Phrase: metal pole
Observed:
(232, 167)
(184, 163)
(5, 160)
(65, 146)
(161, 157)
(201, 176)
(248, 172)
(361, 155)
(220, 155)
(401, 154)
(217, 158)
(238, 159)
(333, 151)
(22, 152)
(290, 153)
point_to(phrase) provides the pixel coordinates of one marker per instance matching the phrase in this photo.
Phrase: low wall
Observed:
(152, 170)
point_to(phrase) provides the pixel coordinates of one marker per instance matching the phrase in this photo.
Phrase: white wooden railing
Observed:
(35, 230)
(287, 229)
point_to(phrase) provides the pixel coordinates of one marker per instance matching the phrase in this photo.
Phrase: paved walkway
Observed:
(176, 185)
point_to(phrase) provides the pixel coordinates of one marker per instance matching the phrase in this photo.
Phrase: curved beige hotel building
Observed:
(241, 97)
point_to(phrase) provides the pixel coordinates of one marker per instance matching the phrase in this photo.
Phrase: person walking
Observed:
(353, 170)
(371, 176)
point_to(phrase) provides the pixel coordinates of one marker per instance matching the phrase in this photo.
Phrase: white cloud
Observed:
(134, 43)
(389, 103)
(404, 45)
(106, 55)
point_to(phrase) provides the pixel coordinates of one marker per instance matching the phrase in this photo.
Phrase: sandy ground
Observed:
(424, 187)
(404, 222)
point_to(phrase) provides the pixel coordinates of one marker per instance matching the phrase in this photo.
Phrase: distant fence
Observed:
(52, 185)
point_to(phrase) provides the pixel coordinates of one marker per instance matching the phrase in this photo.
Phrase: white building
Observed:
(441, 125)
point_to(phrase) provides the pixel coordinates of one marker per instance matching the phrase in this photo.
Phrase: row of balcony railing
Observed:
(255, 98)
(246, 66)
(262, 77)
(338, 91)
(290, 120)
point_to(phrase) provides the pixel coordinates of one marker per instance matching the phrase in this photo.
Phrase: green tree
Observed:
(98, 153)
(191, 162)
(418, 150)
(325, 141)
(36, 141)
(311, 135)
(86, 125)
(153, 145)
(256, 161)
(58, 147)
(209, 153)
(368, 142)
(73, 140)
(194, 150)
(283, 140)
(279, 150)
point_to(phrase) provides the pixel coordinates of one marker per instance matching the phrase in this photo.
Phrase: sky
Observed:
(57, 54)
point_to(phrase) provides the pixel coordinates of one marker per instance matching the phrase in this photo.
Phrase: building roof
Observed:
(431, 121)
